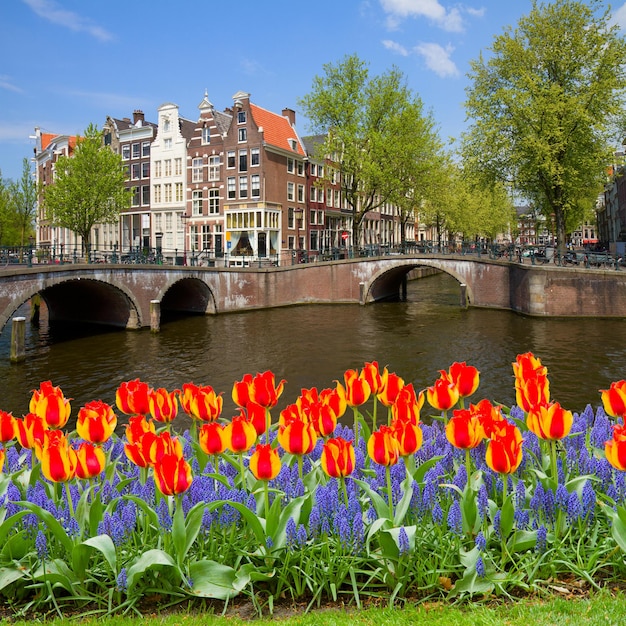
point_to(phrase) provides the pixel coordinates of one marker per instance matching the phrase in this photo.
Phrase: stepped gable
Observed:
(277, 130)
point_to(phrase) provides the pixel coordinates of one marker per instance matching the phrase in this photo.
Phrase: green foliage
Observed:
(377, 135)
(88, 187)
(542, 103)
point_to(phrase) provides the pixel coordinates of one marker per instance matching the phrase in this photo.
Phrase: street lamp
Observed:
(183, 218)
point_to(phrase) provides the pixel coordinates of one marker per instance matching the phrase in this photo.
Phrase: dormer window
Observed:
(293, 143)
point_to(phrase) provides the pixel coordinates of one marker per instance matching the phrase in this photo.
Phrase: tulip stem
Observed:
(555, 472)
(242, 471)
(356, 424)
(374, 413)
(68, 493)
(343, 488)
(468, 465)
(389, 491)
(267, 425)
(300, 466)
(266, 493)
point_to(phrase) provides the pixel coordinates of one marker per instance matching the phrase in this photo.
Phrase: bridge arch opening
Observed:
(187, 296)
(390, 284)
(87, 301)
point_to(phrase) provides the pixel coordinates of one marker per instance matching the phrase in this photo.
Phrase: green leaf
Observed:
(83, 551)
(507, 517)
(379, 503)
(53, 525)
(57, 573)
(8, 575)
(147, 561)
(216, 580)
(522, 540)
(405, 502)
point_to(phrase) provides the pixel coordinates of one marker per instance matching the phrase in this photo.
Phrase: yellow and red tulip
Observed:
(338, 457)
(408, 405)
(30, 430)
(408, 434)
(57, 458)
(241, 391)
(504, 450)
(614, 399)
(357, 389)
(211, 438)
(163, 404)
(265, 462)
(51, 405)
(201, 402)
(615, 448)
(263, 389)
(371, 373)
(240, 434)
(90, 461)
(549, 421)
(532, 391)
(131, 397)
(160, 445)
(297, 436)
(172, 474)
(443, 395)
(465, 377)
(464, 430)
(137, 427)
(382, 446)
(96, 422)
(335, 399)
(390, 387)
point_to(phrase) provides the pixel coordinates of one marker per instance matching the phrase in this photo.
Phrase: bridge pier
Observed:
(463, 295)
(18, 339)
(155, 316)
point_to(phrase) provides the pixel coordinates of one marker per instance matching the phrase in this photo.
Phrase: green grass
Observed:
(599, 608)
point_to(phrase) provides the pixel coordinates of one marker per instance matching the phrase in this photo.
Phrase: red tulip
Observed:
(504, 450)
(211, 438)
(532, 391)
(265, 462)
(172, 474)
(8, 427)
(241, 391)
(549, 421)
(489, 416)
(96, 422)
(160, 445)
(264, 391)
(338, 458)
(2, 457)
(201, 403)
(132, 397)
(163, 404)
(614, 399)
(51, 405)
(138, 452)
(257, 415)
(90, 461)
(335, 399)
(372, 375)
(137, 427)
(382, 447)
(527, 366)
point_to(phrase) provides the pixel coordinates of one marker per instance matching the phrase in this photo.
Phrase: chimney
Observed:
(138, 116)
(290, 114)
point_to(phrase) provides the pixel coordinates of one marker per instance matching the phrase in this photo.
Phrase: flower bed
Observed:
(422, 494)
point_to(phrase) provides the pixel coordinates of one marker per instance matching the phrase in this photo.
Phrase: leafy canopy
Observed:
(542, 103)
(377, 135)
(88, 188)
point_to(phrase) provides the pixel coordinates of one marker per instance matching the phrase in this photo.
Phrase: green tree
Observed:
(88, 188)
(7, 209)
(542, 104)
(25, 202)
(377, 136)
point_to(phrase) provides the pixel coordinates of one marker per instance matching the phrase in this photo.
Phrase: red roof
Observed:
(48, 138)
(277, 130)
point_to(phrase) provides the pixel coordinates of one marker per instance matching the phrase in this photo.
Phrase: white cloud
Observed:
(51, 11)
(619, 17)
(438, 59)
(7, 84)
(449, 20)
(395, 47)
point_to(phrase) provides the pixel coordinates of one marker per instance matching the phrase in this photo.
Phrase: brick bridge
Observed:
(135, 296)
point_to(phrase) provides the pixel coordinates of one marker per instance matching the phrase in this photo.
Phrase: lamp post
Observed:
(183, 218)
(298, 215)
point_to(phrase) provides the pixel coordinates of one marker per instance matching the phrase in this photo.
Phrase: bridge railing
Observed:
(524, 254)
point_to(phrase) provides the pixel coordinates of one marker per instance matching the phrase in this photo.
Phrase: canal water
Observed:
(312, 345)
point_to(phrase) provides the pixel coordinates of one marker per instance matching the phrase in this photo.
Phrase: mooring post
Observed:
(18, 339)
(361, 293)
(463, 295)
(155, 316)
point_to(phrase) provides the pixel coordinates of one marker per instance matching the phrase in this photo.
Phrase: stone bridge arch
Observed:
(187, 294)
(70, 298)
(390, 282)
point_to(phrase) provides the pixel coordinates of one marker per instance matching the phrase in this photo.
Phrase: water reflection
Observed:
(312, 345)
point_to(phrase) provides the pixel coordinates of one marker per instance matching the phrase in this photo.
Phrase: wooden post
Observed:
(18, 342)
(155, 316)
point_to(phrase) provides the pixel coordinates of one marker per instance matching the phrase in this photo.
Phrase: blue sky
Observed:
(68, 63)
